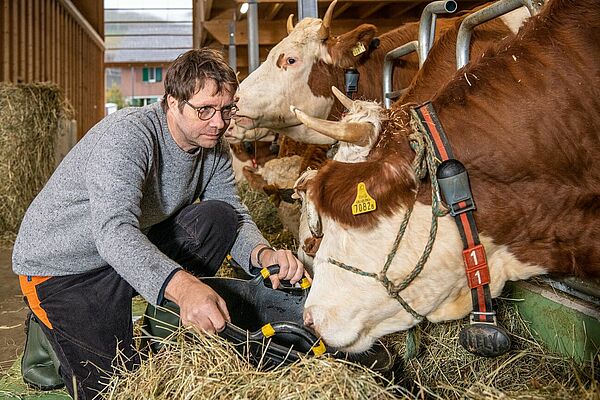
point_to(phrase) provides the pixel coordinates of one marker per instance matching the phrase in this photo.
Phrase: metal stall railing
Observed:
(465, 32)
(422, 46)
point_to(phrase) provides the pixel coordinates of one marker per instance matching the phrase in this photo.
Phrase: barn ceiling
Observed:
(212, 19)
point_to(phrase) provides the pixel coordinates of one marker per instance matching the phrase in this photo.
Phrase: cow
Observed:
(438, 68)
(300, 69)
(303, 66)
(523, 120)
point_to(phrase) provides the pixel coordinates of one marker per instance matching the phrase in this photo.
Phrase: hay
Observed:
(264, 213)
(29, 117)
(444, 370)
(209, 368)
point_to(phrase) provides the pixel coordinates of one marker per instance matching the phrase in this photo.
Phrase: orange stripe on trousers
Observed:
(28, 287)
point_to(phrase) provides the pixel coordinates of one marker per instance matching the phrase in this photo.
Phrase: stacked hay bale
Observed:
(29, 125)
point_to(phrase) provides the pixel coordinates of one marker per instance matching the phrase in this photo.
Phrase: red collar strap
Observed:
(456, 192)
(483, 336)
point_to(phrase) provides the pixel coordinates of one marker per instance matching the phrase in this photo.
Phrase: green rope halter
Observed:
(423, 163)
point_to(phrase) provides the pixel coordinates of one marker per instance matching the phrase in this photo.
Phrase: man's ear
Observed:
(172, 102)
(347, 49)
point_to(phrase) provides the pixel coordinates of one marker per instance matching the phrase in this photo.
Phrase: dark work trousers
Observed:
(86, 317)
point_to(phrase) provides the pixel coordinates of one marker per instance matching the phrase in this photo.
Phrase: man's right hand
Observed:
(200, 306)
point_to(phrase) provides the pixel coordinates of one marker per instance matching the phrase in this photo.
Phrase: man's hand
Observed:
(290, 268)
(200, 306)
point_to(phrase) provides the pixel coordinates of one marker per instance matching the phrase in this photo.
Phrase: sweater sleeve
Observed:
(115, 174)
(221, 186)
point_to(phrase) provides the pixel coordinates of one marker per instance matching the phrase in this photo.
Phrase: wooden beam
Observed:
(273, 11)
(198, 18)
(271, 32)
(400, 11)
(371, 9)
(328, 1)
(341, 9)
(207, 9)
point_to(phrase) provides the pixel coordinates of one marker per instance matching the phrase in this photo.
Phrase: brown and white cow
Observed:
(303, 66)
(524, 121)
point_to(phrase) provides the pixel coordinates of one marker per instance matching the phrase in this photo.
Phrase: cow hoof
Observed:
(485, 340)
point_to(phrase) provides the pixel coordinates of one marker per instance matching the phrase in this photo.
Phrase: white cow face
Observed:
(265, 95)
(350, 311)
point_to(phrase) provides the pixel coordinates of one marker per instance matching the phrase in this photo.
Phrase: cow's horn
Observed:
(290, 23)
(357, 133)
(326, 24)
(345, 100)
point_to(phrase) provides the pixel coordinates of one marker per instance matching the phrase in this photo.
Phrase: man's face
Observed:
(191, 132)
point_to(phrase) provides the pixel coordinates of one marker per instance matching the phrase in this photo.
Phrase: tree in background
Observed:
(114, 95)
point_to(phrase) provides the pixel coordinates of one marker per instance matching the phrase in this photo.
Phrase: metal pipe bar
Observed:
(307, 8)
(463, 40)
(232, 48)
(427, 25)
(253, 60)
(388, 68)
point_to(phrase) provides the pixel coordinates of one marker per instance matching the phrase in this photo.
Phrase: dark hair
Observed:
(190, 72)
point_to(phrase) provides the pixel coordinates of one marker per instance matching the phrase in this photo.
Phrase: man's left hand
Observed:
(290, 268)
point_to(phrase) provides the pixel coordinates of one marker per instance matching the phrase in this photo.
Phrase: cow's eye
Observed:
(291, 60)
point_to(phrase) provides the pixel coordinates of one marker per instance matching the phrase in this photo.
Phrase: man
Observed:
(119, 216)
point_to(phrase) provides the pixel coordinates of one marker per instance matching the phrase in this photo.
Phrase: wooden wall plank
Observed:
(5, 40)
(29, 59)
(22, 43)
(14, 32)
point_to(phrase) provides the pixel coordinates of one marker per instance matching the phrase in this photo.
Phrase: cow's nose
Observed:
(308, 319)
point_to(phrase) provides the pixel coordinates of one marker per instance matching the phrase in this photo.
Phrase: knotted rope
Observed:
(424, 163)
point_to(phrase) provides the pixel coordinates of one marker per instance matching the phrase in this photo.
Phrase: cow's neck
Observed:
(533, 174)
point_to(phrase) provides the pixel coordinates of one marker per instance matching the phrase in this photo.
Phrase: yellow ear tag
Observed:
(363, 203)
(358, 49)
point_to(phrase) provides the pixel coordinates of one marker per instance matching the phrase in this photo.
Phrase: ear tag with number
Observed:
(363, 203)
(358, 49)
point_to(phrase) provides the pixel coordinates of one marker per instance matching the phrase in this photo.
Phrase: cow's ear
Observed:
(347, 49)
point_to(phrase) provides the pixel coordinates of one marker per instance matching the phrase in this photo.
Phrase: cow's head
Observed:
(299, 70)
(349, 310)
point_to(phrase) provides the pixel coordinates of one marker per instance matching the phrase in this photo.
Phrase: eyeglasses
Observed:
(207, 112)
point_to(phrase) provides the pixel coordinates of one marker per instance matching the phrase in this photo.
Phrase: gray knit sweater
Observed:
(126, 175)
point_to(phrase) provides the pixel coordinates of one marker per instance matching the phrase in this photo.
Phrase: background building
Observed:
(142, 37)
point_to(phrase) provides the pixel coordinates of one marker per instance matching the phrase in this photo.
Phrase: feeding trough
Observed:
(266, 324)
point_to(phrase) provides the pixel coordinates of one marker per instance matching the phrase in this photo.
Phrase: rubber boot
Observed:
(39, 364)
(157, 324)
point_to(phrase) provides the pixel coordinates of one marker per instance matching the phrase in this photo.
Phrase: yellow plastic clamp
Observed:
(319, 349)
(304, 283)
(268, 330)
(265, 273)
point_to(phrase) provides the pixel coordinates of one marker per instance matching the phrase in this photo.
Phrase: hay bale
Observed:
(29, 124)
(210, 368)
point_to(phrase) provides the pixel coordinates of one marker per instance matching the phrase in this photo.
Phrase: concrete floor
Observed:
(12, 313)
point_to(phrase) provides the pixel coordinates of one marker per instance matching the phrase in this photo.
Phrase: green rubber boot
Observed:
(39, 364)
(157, 324)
